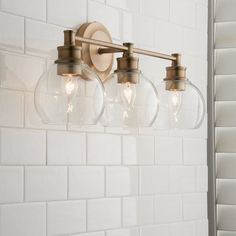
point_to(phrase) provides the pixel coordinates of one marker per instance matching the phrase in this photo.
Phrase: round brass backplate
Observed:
(102, 64)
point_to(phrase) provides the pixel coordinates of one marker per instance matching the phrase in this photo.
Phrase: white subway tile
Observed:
(104, 214)
(130, 211)
(127, 27)
(86, 182)
(123, 4)
(131, 5)
(204, 2)
(138, 211)
(108, 16)
(195, 43)
(154, 180)
(45, 183)
(168, 150)
(202, 179)
(66, 217)
(100, 233)
(164, 34)
(143, 30)
(28, 8)
(11, 184)
(162, 230)
(195, 206)
(156, 8)
(168, 208)
(20, 72)
(182, 179)
(11, 108)
(75, 12)
(127, 22)
(176, 12)
(202, 17)
(183, 229)
(121, 181)
(202, 228)
(195, 151)
(23, 219)
(138, 150)
(123, 232)
(197, 70)
(104, 149)
(23, 147)
(145, 210)
(66, 148)
(12, 37)
(42, 39)
(149, 65)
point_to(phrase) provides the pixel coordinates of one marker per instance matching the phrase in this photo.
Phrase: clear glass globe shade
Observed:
(129, 105)
(77, 100)
(180, 109)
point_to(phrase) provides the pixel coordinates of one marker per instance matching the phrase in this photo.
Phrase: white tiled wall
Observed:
(91, 181)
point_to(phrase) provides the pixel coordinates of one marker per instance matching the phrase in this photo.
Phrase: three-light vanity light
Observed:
(79, 89)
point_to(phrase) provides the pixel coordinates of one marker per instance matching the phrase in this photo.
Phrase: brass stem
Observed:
(112, 48)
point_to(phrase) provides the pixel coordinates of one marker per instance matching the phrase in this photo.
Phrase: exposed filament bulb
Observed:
(70, 84)
(175, 103)
(128, 94)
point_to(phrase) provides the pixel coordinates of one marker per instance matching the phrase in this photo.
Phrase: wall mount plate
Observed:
(102, 64)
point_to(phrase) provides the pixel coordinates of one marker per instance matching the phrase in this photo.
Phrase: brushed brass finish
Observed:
(175, 75)
(112, 48)
(69, 56)
(127, 66)
(94, 31)
(93, 44)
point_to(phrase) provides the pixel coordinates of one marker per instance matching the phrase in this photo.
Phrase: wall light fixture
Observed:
(79, 89)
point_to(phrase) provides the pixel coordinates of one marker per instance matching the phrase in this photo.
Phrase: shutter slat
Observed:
(226, 233)
(225, 62)
(223, 35)
(225, 10)
(225, 88)
(226, 217)
(225, 114)
(225, 140)
(226, 191)
(226, 165)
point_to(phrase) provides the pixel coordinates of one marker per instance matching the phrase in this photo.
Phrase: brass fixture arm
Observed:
(101, 43)
(112, 48)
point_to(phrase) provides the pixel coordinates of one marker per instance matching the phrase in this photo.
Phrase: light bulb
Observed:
(175, 101)
(128, 95)
(70, 86)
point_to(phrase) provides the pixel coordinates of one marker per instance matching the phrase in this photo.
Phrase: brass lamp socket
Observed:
(128, 67)
(175, 76)
(69, 56)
